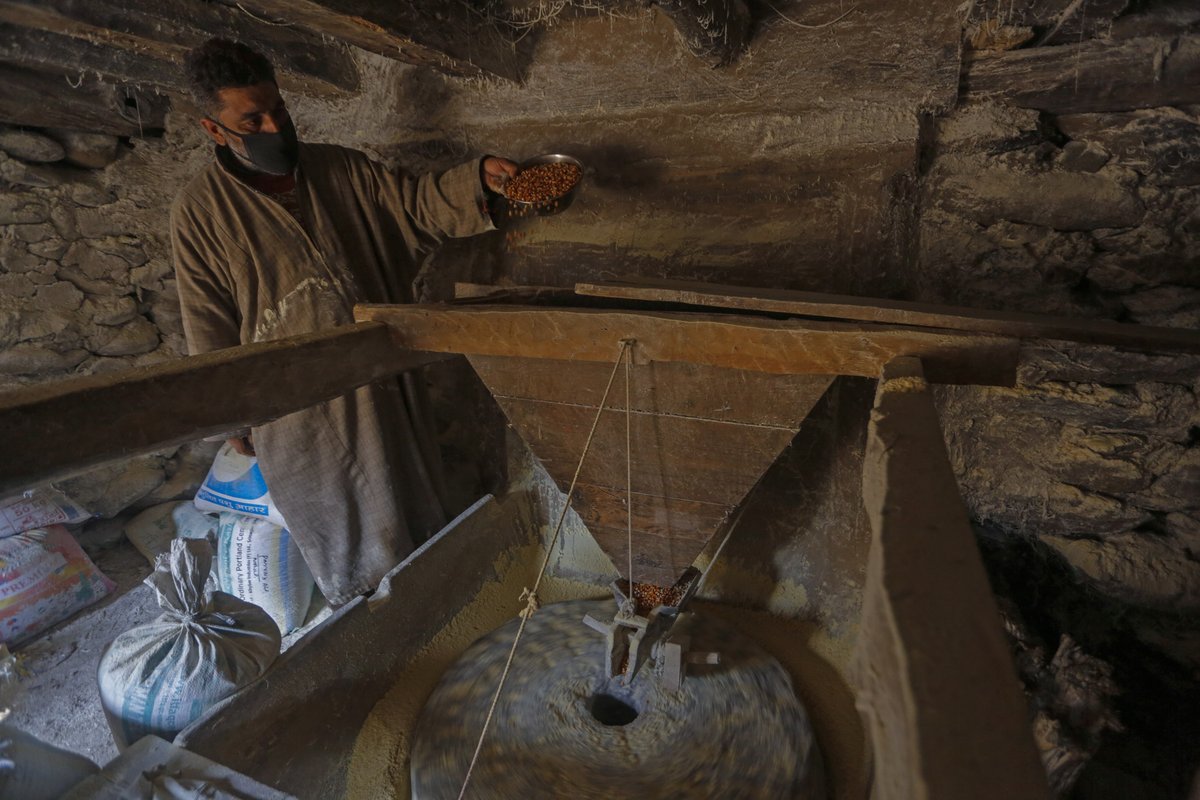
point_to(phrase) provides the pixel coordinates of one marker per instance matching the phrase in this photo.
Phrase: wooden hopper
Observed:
(701, 437)
(715, 399)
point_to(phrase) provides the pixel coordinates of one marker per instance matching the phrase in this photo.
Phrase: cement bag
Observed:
(38, 508)
(152, 531)
(45, 577)
(30, 769)
(235, 483)
(158, 678)
(260, 563)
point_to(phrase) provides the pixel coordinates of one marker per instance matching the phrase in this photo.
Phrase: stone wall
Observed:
(86, 282)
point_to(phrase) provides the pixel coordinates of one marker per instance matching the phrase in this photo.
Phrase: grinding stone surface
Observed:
(735, 730)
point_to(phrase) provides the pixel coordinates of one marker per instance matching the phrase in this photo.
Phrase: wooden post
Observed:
(934, 674)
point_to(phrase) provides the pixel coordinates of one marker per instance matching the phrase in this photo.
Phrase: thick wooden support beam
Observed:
(452, 37)
(900, 312)
(1092, 76)
(53, 430)
(147, 42)
(778, 346)
(935, 677)
(80, 102)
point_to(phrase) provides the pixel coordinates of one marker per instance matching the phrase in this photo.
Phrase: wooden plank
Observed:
(931, 659)
(604, 507)
(784, 346)
(452, 37)
(1092, 76)
(80, 102)
(64, 427)
(662, 387)
(899, 312)
(487, 291)
(656, 559)
(677, 457)
(147, 42)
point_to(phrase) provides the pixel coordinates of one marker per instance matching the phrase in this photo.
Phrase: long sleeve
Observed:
(210, 317)
(451, 204)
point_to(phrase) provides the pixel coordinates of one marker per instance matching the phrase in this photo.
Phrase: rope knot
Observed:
(532, 603)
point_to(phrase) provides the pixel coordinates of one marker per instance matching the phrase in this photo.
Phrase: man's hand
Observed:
(244, 445)
(497, 172)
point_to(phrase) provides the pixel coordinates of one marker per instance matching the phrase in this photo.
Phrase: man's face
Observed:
(250, 109)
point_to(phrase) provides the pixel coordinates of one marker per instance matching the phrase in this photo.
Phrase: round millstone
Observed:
(562, 729)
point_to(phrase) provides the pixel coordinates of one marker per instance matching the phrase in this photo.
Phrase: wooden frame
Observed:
(935, 678)
(54, 430)
(739, 342)
(899, 312)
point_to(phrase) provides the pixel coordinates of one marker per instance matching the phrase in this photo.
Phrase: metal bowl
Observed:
(555, 206)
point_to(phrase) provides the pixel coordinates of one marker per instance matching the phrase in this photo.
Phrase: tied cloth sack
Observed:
(158, 678)
(236, 483)
(260, 563)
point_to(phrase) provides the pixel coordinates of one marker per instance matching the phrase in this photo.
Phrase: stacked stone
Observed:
(1096, 453)
(86, 283)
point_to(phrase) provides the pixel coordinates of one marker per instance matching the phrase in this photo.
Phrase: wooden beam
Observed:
(784, 347)
(1092, 76)
(452, 37)
(64, 427)
(935, 677)
(147, 43)
(900, 312)
(80, 102)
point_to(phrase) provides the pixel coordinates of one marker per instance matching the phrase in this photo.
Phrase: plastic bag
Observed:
(235, 483)
(38, 508)
(45, 577)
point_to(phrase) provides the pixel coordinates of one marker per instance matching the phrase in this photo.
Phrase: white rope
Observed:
(629, 468)
(263, 20)
(833, 21)
(721, 548)
(530, 595)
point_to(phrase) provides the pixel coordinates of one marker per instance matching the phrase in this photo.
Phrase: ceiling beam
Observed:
(80, 102)
(1098, 75)
(147, 41)
(452, 37)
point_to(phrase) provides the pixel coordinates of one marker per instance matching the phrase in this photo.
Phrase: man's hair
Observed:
(222, 64)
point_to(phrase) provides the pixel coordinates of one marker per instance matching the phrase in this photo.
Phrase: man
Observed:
(278, 238)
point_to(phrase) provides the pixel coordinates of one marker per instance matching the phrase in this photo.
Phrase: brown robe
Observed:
(358, 477)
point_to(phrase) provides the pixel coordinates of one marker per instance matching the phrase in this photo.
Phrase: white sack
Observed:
(158, 678)
(260, 563)
(235, 483)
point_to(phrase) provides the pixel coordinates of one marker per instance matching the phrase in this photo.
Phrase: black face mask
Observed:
(272, 153)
